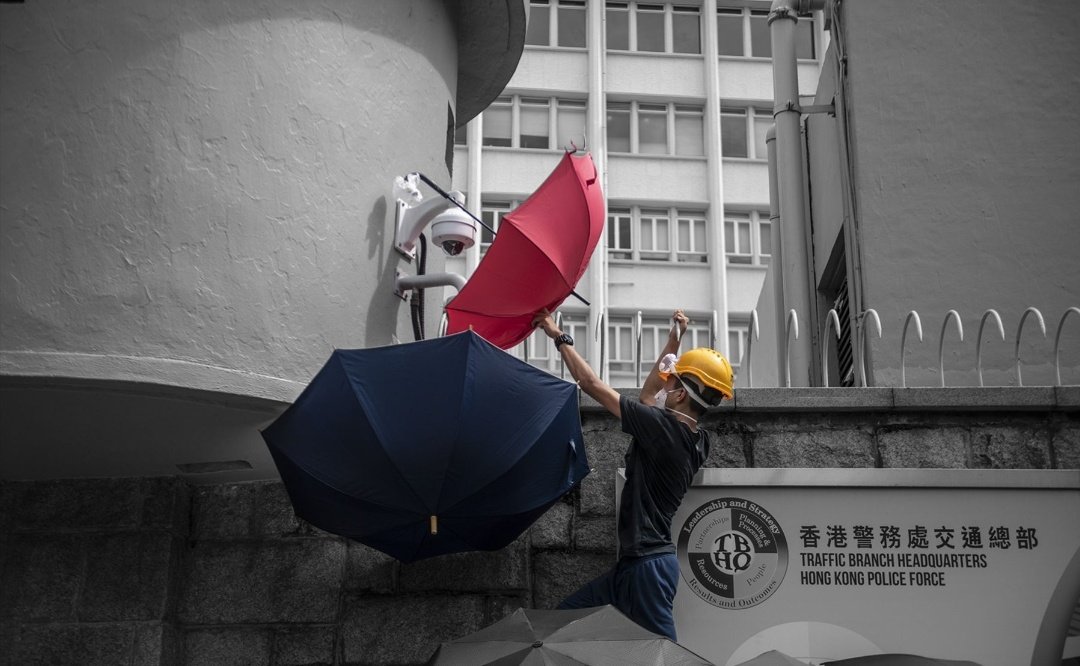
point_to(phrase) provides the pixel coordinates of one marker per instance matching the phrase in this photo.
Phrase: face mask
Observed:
(661, 398)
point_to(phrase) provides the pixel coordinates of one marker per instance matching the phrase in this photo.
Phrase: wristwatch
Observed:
(564, 339)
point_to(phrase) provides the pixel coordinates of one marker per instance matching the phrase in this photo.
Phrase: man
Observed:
(666, 450)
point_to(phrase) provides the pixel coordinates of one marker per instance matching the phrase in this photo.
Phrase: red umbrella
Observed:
(541, 251)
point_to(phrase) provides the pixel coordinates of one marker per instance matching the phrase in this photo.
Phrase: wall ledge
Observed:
(145, 375)
(921, 399)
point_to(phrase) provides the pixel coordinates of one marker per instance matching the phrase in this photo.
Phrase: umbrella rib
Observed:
(333, 487)
(524, 427)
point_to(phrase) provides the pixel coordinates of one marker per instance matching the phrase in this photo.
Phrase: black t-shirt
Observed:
(663, 457)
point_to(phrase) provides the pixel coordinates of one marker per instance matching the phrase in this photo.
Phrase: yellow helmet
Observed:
(709, 367)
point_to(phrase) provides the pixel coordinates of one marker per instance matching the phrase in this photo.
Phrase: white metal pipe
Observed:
(1020, 331)
(596, 143)
(715, 180)
(951, 314)
(861, 336)
(776, 263)
(978, 340)
(798, 287)
(428, 280)
(474, 139)
(1057, 343)
(913, 315)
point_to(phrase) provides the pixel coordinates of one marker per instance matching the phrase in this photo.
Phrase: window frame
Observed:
(552, 105)
(554, 10)
(655, 328)
(755, 221)
(672, 111)
(667, 12)
(751, 114)
(640, 216)
(749, 13)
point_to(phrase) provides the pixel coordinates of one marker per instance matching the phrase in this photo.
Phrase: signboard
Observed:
(834, 563)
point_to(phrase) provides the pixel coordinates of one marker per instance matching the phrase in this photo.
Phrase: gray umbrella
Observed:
(897, 660)
(600, 636)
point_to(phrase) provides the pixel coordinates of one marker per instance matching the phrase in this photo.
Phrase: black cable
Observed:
(421, 269)
(441, 192)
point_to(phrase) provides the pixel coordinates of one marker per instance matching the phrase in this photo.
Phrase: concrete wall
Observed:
(966, 163)
(210, 183)
(963, 158)
(156, 571)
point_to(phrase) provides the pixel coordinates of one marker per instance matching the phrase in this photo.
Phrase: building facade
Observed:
(941, 206)
(673, 101)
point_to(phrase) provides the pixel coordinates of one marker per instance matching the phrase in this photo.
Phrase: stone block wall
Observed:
(162, 572)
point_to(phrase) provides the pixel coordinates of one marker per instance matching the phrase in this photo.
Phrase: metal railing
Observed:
(832, 322)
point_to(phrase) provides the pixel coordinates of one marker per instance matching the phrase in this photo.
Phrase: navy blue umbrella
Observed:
(429, 447)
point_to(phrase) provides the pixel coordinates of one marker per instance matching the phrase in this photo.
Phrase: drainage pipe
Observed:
(776, 264)
(783, 18)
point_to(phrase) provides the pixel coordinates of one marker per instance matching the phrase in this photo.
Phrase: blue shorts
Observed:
(643, 588)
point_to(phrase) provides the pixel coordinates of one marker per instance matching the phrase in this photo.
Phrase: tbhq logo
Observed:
(732, 553)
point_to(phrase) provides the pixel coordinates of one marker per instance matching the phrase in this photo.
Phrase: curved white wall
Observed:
(209, 183)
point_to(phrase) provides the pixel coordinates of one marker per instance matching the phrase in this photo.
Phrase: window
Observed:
(737, 239)
(742, 131)
(747, 238)
(532, 125)
(745, 32)
(533, 122)
(570, 123)
(497, 122)
(650, 28)
(617, 18)
(690, 238)
(738, 330)
(652, 124)
(491, 213)
(653, 27)
(621, 345)
(686, 30)
(556, 23)
(618, 127)
(619, 222)
(689, 130)
(648, 234)
(733, 133)
(572, 23)
(729, 23)
(652, 129)
(760, 38)
(654, 235)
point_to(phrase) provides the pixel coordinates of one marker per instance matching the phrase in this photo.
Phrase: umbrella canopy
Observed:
(898, 660)
(541, 251)
(430, 447)
(595, 636)
(773, 658)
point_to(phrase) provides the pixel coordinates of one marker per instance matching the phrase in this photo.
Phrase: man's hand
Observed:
(681, 322)
(544, 322)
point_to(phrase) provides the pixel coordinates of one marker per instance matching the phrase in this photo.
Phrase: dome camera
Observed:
(454, 230)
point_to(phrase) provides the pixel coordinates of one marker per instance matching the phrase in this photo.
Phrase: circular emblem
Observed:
(732, 553)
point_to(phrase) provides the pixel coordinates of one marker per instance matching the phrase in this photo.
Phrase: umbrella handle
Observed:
(434, 523)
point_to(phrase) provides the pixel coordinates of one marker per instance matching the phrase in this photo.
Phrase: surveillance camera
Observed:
(454, 230)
